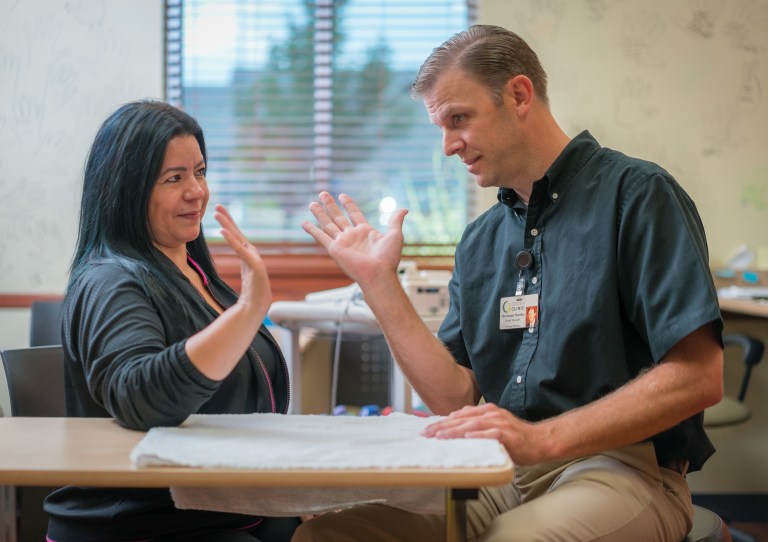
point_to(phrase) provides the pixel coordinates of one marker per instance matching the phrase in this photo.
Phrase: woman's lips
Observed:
(194, 215)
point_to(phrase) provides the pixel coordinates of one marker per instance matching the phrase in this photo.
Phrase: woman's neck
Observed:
(177, 255)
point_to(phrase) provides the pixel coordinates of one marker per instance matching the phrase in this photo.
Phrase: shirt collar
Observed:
(577, 153)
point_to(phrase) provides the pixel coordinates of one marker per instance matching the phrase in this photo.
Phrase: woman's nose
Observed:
(195, 189)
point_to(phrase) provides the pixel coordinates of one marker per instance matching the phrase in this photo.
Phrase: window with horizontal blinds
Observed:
(299, 96)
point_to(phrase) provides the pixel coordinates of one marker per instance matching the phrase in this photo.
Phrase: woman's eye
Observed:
(174, 179)
(201, 172)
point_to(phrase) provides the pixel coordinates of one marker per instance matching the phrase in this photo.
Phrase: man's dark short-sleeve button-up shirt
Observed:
(621, 271)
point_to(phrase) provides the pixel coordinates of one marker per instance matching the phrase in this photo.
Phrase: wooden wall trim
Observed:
(292, 274)
(22, 301)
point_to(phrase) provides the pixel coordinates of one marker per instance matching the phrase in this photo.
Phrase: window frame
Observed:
(295, 269)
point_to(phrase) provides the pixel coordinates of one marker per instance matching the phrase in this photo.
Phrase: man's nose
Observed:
(452, 143)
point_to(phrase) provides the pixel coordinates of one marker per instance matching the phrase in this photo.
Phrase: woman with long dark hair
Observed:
(151, 333)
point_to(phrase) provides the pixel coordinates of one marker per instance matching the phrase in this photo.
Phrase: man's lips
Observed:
(471, 162)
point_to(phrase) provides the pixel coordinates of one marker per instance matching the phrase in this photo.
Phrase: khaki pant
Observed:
(621, 496)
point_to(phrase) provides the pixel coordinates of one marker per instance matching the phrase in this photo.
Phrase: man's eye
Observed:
(458, 119)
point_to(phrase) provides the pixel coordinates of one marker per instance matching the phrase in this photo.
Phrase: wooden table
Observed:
(743, 307)
(95, 452)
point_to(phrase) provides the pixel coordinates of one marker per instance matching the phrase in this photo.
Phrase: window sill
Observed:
(296, 270)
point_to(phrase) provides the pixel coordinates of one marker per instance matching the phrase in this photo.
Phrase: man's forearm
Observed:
(441, 383)
(685, 383)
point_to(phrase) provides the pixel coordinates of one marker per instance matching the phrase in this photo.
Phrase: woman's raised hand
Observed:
(255, 290)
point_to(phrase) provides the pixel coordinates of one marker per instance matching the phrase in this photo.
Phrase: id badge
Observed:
(519, 312)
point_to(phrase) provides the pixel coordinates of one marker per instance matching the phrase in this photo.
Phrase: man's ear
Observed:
(519, 89)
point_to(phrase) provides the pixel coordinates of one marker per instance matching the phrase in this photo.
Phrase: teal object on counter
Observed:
(751, 277)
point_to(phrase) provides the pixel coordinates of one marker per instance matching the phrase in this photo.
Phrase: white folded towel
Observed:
(274, 441)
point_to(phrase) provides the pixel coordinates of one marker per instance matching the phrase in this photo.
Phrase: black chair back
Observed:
(45, 323)
(751, 353)
(35, 379)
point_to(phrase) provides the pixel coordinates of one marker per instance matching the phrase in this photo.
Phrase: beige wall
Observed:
(680, 83)
(64, 66)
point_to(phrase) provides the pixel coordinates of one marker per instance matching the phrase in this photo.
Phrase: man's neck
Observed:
(547, 142)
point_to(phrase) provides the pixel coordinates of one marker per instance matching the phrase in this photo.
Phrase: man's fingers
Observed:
(396, 220)
(446, 424)
(467, 411)
(356, 216)
(333, 211)
(319, 235)
(322, 218)
(460, 430)
(492, 433)
(333, 220)
(330, 217)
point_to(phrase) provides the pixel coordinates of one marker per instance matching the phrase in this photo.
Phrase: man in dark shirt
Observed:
(599, 401)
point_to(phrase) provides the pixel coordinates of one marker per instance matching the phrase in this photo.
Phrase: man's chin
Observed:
(484, 182)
